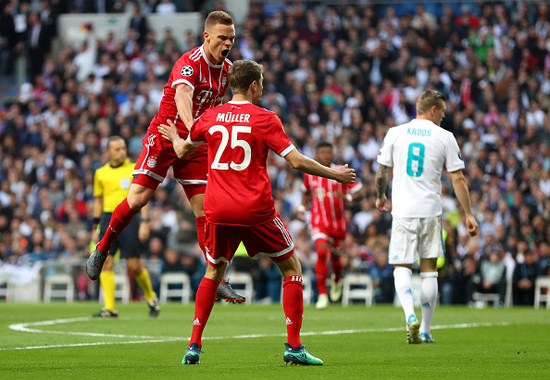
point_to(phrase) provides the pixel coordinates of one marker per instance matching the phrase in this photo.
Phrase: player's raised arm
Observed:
(182, 147)
(305, 164)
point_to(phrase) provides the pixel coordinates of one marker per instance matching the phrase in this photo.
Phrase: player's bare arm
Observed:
(182, 148)
(381, 182)
(184, 104)
(461, 190)
(305, 164)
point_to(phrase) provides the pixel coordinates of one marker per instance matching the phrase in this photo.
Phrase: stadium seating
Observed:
(175, 285)
(59, 286)
(357, 287)
(540, 284)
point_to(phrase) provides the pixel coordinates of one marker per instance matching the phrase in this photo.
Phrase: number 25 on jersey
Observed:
(235, 142)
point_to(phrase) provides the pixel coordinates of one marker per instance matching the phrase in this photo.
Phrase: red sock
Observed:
(293, 306)
(336, 266)
(321, 269)
(122, 216)
(204, 302)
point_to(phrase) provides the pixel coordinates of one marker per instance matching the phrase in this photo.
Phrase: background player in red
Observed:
(328, 222)
(238, 201)
(197, 82)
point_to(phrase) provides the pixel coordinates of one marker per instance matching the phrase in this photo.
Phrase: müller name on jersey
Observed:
(233, 118)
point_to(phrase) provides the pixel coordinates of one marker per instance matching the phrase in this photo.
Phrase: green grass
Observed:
(354, 342)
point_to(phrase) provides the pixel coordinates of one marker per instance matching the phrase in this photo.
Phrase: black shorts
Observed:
(127, 241)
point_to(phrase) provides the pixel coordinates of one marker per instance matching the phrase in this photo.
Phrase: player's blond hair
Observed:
(427, 100)
(242, 74)
(218, 17)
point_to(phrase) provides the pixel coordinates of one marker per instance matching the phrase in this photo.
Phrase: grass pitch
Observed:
(58, 340)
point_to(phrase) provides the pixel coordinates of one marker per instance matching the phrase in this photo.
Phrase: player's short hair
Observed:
(324, 144)
(218, 17)
(428, 99)
(113, 138)
(242, 74)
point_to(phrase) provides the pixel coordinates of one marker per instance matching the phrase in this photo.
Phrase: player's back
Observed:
(419, 151)
(208, 80)
(239, 136)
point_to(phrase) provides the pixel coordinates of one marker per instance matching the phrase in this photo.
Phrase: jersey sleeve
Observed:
(277, 139)
(385, 154)
(354, 187)
(185, 71)
(453, 158)
(98, 185)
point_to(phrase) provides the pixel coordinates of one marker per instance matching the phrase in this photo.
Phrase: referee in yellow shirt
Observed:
(111, 186)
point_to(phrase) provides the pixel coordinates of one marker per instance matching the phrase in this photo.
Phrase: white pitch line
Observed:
(23, 327)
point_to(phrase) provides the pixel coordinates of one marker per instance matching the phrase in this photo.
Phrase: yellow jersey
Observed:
(113, 184)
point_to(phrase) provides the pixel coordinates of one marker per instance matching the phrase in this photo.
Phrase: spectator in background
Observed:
(523, 281)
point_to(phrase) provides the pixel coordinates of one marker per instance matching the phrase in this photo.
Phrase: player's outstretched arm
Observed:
(182, 148)
(461, 191)
(305, 164)
(184, 104)
(381, 182)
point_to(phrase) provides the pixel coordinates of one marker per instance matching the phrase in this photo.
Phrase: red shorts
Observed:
(271, 239)
(329, 234)
(157, 155)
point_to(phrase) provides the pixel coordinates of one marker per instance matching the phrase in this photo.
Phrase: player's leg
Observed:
(430, 248)
(403, 243)
(138, 196)
(274, 240)
(222, 243)
(428, 297)
(323, 249)
(336, 283)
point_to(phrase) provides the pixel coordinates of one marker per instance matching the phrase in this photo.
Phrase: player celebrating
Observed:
(328, 223)
(238, 202)
(111, 185)
(417, 152)
(197, 82)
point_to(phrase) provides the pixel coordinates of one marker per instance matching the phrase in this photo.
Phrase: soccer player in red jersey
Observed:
(197, 82)
(328, 223)
(238, 201)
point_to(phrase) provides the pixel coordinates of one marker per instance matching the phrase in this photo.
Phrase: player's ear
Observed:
(205, 35)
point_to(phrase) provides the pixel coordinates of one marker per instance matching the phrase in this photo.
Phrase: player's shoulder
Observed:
(193, 56)
(228, 62)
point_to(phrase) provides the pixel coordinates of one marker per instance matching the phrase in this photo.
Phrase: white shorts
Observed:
(414, 238)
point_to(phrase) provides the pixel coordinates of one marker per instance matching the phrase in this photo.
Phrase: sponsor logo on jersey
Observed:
(152, 162)
(204, 80)
(187, 71)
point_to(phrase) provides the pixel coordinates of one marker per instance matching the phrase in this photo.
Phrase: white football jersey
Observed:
(417, 152)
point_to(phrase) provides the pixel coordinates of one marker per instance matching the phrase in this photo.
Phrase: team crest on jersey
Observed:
(125, 183)
(224, 81)
(187, 71)
(152, 162)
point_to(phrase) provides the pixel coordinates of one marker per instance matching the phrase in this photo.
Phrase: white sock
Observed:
(404, 288)
(428, 298)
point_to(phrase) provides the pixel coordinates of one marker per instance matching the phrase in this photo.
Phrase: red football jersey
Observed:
(209, 83)
(239, 136)
(327, 209)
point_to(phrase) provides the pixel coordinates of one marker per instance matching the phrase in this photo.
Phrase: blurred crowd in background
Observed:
(337, 73)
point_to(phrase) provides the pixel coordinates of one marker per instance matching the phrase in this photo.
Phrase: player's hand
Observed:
(472, 225)
(381, 203)
(143, 232)
(346, 174)
(169, 132)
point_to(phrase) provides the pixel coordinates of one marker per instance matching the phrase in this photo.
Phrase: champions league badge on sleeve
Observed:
(187, 71)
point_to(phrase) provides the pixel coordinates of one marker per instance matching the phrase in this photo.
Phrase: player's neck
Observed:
(424, 117)
(209, 56)
(241, 98)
